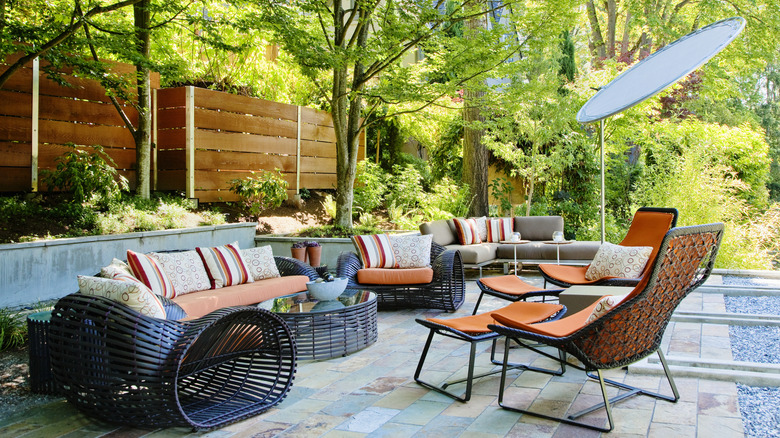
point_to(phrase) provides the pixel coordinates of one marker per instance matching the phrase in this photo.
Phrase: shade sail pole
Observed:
(603, 204)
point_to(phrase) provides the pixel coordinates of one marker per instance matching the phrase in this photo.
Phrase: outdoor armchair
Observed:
(446, 290)
(629, 331)
(120, 366)
(647, 228)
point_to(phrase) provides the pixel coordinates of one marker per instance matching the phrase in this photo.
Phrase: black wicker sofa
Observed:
(124, 367)
(446, 291)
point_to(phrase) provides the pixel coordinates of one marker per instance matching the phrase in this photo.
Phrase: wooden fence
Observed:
(207, 138)
(38, 117)
(204, 138)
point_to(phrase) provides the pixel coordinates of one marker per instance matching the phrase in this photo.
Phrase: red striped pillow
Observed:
(225, 265)
(375, 251)
(146, 269)
(499, 229)
(467, 231)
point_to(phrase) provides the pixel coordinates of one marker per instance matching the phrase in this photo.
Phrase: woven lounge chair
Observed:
(474, 329)
(630, 331)
(648, 228)
(122, 367)
(510, 288)
(447, 290)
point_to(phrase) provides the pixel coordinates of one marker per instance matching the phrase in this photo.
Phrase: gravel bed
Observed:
(759, 406)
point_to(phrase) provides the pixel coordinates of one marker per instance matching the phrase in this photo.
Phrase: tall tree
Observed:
(475, 154)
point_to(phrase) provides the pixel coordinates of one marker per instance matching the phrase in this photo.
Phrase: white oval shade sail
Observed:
(661, 69)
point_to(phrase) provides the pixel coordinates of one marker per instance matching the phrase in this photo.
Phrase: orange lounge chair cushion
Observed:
(509, 284)
(395, 276)
(567, 274)
(529, 313)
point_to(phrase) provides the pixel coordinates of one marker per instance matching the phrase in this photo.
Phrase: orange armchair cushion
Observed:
(395, 276)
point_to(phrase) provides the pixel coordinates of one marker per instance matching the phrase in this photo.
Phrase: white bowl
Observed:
(327, 290)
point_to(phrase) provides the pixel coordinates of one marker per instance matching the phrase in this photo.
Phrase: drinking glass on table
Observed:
(557, 236)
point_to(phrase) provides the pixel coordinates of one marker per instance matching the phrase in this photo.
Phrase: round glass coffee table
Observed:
(326, 329)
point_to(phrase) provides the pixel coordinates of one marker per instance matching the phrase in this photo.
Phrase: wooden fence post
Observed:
(154, 137)
(298, 156)
(36, 96)
(190, 141)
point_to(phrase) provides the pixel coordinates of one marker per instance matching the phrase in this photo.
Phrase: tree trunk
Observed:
(143, 134)
(475, 154)
(597, 38)
(611, 27)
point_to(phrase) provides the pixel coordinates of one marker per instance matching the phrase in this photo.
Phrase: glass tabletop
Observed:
(302, 302)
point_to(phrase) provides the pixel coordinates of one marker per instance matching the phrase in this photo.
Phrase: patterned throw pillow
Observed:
(499, 229)
(482, 228)
(225, 266)
(261, 263)
(467, 231)
(375, 251)
(185, 270)
(412, 251)
(146, 269)
(604, 305)
(124, 292)
(618, 261)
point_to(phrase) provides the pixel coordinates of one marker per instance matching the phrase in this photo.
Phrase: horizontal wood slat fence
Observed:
(207, 138)
(204, 138)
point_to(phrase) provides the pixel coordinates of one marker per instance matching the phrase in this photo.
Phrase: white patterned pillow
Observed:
(412, 251)
(124, 292)
(605, 304)
(224, 265)
(375, 251)
(119, 270)
(499, 229)
(149, 271)
(618, 261)
(467, 231)
(185, 270)
(482, 228)
(261, 263)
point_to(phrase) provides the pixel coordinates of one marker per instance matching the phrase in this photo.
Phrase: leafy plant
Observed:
(329, 205)
(501, 188)
(13, 329)
(406, 187)
(86, 175)
(370, 186)
(337, 231)
(262, 192)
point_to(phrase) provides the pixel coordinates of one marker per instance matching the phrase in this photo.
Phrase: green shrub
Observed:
(262, 192)
(13, 329)
(329, 205)
(405, 187)
(86, 176)
(370, 186)
(337, 231)
(501, 189)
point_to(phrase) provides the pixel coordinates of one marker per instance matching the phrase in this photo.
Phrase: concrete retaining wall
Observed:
(331, 247)
(46, 270)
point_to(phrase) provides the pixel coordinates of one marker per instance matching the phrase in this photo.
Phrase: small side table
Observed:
(558, 248)
(514, 244)
(41, 378)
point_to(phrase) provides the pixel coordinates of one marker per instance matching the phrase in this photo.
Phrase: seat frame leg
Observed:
(606, 404)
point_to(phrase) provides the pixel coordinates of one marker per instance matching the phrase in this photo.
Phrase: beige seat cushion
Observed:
(395, 276)
(198, 304)
(478, 253)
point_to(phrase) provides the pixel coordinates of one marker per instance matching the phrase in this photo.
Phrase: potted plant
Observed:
(298, 251)
(313, 252)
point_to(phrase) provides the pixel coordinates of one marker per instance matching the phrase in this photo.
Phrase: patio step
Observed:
(748, 373)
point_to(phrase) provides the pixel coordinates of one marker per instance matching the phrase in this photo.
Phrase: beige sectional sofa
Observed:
(537, 229)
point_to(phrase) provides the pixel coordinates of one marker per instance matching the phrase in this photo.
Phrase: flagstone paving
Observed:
(371, 393)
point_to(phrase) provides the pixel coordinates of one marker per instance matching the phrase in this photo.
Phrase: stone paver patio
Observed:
(372, 393)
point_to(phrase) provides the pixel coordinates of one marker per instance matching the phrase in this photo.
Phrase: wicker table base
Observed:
(328, 329)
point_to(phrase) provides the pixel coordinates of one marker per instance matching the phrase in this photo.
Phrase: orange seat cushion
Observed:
(555, 329)
(528, 312)
(509, 284)
(567, 274)
(200, 303)
(395, 276)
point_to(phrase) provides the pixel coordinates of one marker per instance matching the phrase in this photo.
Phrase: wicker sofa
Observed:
(445, 289)
(537, 229)
(221, 363)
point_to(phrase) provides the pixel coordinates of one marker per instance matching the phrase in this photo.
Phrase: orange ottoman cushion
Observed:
(395, 276)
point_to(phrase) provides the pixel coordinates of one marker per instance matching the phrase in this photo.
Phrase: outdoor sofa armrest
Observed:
(348, 265)
(290, 266)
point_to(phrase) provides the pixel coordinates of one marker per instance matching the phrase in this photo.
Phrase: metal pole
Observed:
(603, 203)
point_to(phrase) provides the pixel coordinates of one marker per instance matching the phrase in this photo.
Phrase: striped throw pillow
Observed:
(467, 231)
(499, 229)
(146, 269)
(375, 251)
(225, 265)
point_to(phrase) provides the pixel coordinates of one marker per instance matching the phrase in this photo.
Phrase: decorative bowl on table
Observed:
(327, 290)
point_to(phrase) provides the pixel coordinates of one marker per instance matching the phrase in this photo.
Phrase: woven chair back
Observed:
(634, 329)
